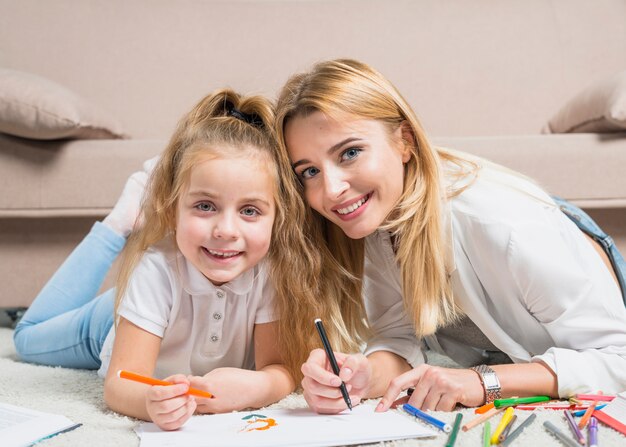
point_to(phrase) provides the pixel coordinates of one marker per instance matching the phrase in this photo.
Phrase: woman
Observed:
(448, 250)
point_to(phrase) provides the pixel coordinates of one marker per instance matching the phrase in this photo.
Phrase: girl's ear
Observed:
(408, 140)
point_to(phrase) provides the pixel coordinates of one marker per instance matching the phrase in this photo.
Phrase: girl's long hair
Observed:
(225, 123)
(341, 88)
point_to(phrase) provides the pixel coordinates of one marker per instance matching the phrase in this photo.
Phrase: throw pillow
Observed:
(601, 107)
(34, 107)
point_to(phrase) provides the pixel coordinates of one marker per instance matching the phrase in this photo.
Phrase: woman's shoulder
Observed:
(500, 196)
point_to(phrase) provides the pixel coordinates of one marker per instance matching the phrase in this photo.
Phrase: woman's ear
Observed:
(408, 140)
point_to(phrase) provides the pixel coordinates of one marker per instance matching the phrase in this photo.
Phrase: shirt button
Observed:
(214, 338)
(217, 316)
(220, 294)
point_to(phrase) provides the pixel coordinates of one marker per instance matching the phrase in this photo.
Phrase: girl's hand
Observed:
(321, 385)
(436, 388)
(232, 388)
(169, 406)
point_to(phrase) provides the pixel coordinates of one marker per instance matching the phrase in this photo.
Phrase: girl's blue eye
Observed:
(350, 154)
(250, 212)
(205, 206)
(309, 172)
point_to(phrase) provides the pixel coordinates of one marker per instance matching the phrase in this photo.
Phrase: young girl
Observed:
(196, 303)
(475, 260)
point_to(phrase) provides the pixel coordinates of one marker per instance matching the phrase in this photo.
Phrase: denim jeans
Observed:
(588, 226)
(67, 323)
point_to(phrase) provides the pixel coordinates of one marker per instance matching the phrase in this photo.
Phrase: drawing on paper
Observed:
(257, 422)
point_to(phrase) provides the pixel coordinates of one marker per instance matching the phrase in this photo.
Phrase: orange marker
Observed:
(485, 408)
(150, 381)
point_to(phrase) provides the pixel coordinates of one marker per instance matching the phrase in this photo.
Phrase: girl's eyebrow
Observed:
(334, 148)
(249, 199)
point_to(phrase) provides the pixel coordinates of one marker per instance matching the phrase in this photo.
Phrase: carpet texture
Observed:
(78, 395)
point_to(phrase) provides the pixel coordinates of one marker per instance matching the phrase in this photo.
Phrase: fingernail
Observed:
(380, 406)
(348, 371)
(336, 381)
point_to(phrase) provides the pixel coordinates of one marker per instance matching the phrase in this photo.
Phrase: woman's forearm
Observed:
(527, 379)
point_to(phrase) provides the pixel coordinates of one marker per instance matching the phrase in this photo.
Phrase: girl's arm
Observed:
(275, 382)
(236, 388)
(137, 350)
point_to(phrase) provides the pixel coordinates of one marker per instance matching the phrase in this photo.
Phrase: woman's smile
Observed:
(353, 209)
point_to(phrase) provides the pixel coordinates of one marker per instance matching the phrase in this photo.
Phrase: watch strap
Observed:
(489, 381)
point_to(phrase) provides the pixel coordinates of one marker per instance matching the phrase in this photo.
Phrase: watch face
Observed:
(491, 381)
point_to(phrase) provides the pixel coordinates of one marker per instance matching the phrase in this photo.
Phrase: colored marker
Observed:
(506, 417)
(485, 408)
(333, 361)
(580, 413)
(443, 426)
(574, 427)
(583, 421)
(482, 418)
(151, 381)
(593, 432)
(515, 433)
(560, 435)
(498, 403)
(602, 397)
(507, 429)
(455, 430)
(487, 434)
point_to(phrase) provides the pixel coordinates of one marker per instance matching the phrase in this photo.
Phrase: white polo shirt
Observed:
(525, 275)
(202, 326)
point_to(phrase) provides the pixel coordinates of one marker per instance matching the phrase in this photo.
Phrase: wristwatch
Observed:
(490, 382)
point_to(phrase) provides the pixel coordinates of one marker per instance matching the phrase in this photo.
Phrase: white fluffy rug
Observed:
(78, 395)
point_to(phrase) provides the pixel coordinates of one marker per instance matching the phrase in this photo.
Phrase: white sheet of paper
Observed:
(301, 427)
(22, 426)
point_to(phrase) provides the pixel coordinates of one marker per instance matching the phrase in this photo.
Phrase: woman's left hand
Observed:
(436, 388)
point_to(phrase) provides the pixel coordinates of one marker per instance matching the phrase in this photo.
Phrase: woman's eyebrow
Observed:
(330, 151)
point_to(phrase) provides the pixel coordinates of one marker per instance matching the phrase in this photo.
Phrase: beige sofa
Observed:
(484, 76)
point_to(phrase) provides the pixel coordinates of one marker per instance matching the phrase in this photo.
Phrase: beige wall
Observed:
(479, 67)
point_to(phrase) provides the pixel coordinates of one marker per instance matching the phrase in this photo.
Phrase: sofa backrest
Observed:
(480, 67)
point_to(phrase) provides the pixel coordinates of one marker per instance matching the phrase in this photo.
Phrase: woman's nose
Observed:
(335, 183)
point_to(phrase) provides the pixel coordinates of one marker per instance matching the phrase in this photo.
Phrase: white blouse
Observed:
(525, 275)
(202, 326)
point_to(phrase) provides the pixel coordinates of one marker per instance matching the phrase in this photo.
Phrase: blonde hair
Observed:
(226, 123)
(347, 87)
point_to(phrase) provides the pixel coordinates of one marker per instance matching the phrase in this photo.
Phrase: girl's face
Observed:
(225, 217)
(352, 170)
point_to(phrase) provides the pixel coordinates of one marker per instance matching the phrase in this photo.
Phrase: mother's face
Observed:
(352, 169)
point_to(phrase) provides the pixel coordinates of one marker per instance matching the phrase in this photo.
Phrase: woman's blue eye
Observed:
(309, 172)
(350, 154)
(204, 206)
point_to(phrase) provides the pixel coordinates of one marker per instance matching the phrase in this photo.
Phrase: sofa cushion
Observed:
(67, 178)
(34, 107)
(601, 107)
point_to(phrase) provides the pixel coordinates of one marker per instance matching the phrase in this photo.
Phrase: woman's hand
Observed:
(169, 406)
(436, 388)
(321, 385)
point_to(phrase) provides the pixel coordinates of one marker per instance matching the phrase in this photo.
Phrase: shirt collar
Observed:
(195, 283)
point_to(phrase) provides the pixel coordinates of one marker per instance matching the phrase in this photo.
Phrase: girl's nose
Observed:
(225, 228)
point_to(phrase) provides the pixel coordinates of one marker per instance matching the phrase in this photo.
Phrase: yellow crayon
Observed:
(506, 417)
